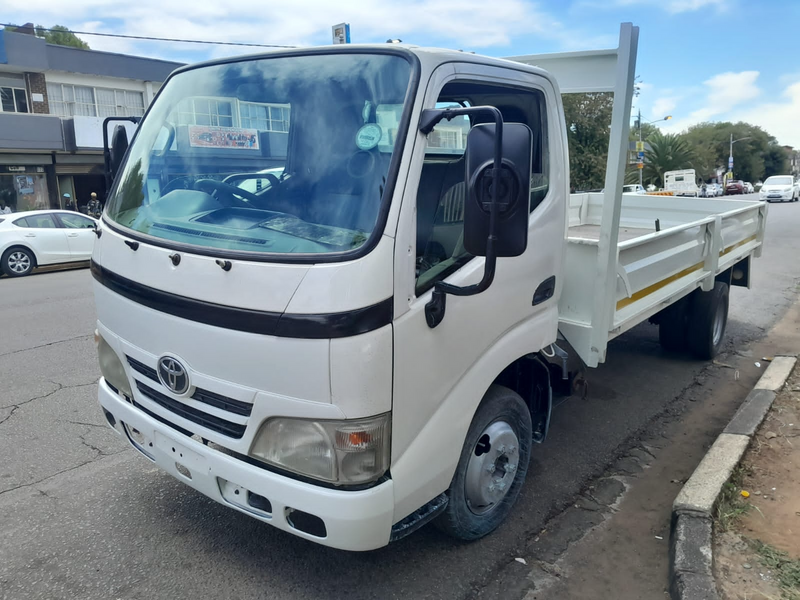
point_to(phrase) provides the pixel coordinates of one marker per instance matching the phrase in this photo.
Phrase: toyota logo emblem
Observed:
(173, 375)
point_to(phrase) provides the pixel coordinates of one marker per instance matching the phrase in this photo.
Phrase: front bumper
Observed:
(353, 520)
(777, 196)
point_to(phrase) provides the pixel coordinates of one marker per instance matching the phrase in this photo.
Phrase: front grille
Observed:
(231, 405)
(233, 430)
(142, 368)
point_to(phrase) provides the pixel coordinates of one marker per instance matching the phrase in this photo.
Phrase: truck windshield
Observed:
(288, 154)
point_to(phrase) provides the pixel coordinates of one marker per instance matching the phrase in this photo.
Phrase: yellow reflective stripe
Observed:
(665, 282)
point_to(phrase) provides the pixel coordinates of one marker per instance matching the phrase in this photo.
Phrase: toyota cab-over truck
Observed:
(336, 287)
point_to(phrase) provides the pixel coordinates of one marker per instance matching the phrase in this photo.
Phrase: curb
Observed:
(690, 549)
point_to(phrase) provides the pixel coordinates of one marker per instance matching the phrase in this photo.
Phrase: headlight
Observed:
(111, 367)
(342, 452)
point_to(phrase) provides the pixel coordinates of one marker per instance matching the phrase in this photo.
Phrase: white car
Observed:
(779, 187)
(44, 237)
(633, 189)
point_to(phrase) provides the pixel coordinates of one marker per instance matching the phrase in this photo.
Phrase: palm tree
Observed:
(666, 152)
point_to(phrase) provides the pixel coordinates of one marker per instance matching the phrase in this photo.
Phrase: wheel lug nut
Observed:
(490, 468)
(510, 467)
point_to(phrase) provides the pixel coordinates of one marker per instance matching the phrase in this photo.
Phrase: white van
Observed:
(681, 183)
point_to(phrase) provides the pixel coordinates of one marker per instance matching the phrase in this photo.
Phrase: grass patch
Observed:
(730, 505)
(785, 568)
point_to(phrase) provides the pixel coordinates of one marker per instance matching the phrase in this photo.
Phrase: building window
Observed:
(206, 111)
(13, 100)
(119, 103)
(84, 101)
(264, 117)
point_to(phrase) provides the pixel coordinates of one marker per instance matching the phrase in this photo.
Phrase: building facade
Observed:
(53, 100)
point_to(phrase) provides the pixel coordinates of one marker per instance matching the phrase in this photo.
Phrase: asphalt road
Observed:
(83, 516)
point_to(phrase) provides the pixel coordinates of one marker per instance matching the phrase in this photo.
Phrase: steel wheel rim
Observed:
(492, 468)
(19, 262)
(719, 323)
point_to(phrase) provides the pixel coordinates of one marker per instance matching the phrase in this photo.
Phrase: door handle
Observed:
(72, 235)
(30, 235)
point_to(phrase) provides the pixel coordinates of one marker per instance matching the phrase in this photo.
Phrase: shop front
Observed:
(24, 188)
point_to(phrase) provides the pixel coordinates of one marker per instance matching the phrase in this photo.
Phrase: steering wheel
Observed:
(179, 183)
(227, 188)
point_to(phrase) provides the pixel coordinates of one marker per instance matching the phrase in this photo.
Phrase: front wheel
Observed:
(492, 467)
(17, 262)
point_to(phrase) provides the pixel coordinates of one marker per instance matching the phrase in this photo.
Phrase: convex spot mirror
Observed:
(513, 198)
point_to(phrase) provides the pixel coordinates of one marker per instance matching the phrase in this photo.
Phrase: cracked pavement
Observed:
(82, 516)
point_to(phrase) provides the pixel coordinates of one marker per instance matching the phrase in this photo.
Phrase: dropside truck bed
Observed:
(667, 248)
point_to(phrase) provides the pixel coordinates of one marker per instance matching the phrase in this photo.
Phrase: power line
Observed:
(149, 38)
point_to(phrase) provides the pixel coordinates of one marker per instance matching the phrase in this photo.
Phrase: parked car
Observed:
(748, 188)
(734, 187)
(44, 237)
(633, 189)
(713, 190)
(780, 187)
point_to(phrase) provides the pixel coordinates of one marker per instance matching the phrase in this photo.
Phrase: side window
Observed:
(76, 222)
(36, 222)
(442, 187)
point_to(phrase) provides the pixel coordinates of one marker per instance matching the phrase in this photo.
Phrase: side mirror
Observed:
(119, 146)
(512, 187)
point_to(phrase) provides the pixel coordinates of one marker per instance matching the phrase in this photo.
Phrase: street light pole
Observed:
(730, 154)
(641, 170)
(640, 146)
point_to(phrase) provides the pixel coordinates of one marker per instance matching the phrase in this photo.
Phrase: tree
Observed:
(776, 161)
(57, 34)
(665, 152)
(756, 155)
(588, 118)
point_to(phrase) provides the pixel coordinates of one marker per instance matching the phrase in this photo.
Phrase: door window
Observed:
(442, 188)
(36, 222)
(76, 222)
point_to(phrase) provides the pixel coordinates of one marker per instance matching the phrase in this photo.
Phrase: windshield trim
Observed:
(290, 258)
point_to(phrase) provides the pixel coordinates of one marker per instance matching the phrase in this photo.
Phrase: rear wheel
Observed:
(492, 467)
(17, 262)
(708, 319)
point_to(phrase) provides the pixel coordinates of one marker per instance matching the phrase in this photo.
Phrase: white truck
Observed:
(329, 280)
(681, 183)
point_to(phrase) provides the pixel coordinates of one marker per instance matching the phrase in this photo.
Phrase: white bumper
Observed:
(354, 520)
(777, 195)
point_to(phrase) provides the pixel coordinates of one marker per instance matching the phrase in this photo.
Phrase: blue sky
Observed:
(698, 60)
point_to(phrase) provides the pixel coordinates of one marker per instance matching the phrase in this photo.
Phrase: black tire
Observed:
(672, 326)
(499, 407)
(708, 318)
(17, 262)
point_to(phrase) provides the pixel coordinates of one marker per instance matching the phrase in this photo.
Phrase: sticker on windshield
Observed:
(369, 136)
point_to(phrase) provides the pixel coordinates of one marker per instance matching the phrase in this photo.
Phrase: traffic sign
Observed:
(640, 147)
(730, 162)
(640, 165)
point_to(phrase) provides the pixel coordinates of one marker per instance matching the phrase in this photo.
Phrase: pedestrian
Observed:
(67, 202)
(93, 207)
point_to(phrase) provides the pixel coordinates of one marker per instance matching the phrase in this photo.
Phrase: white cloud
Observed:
(781, 119)
(470, 24)
(679, 6)
(671, 6)
(664, 106)
(723, 93)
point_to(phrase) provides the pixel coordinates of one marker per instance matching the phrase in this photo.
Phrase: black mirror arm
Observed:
(435, 309)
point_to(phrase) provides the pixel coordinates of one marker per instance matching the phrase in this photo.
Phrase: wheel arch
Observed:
(18, 246)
